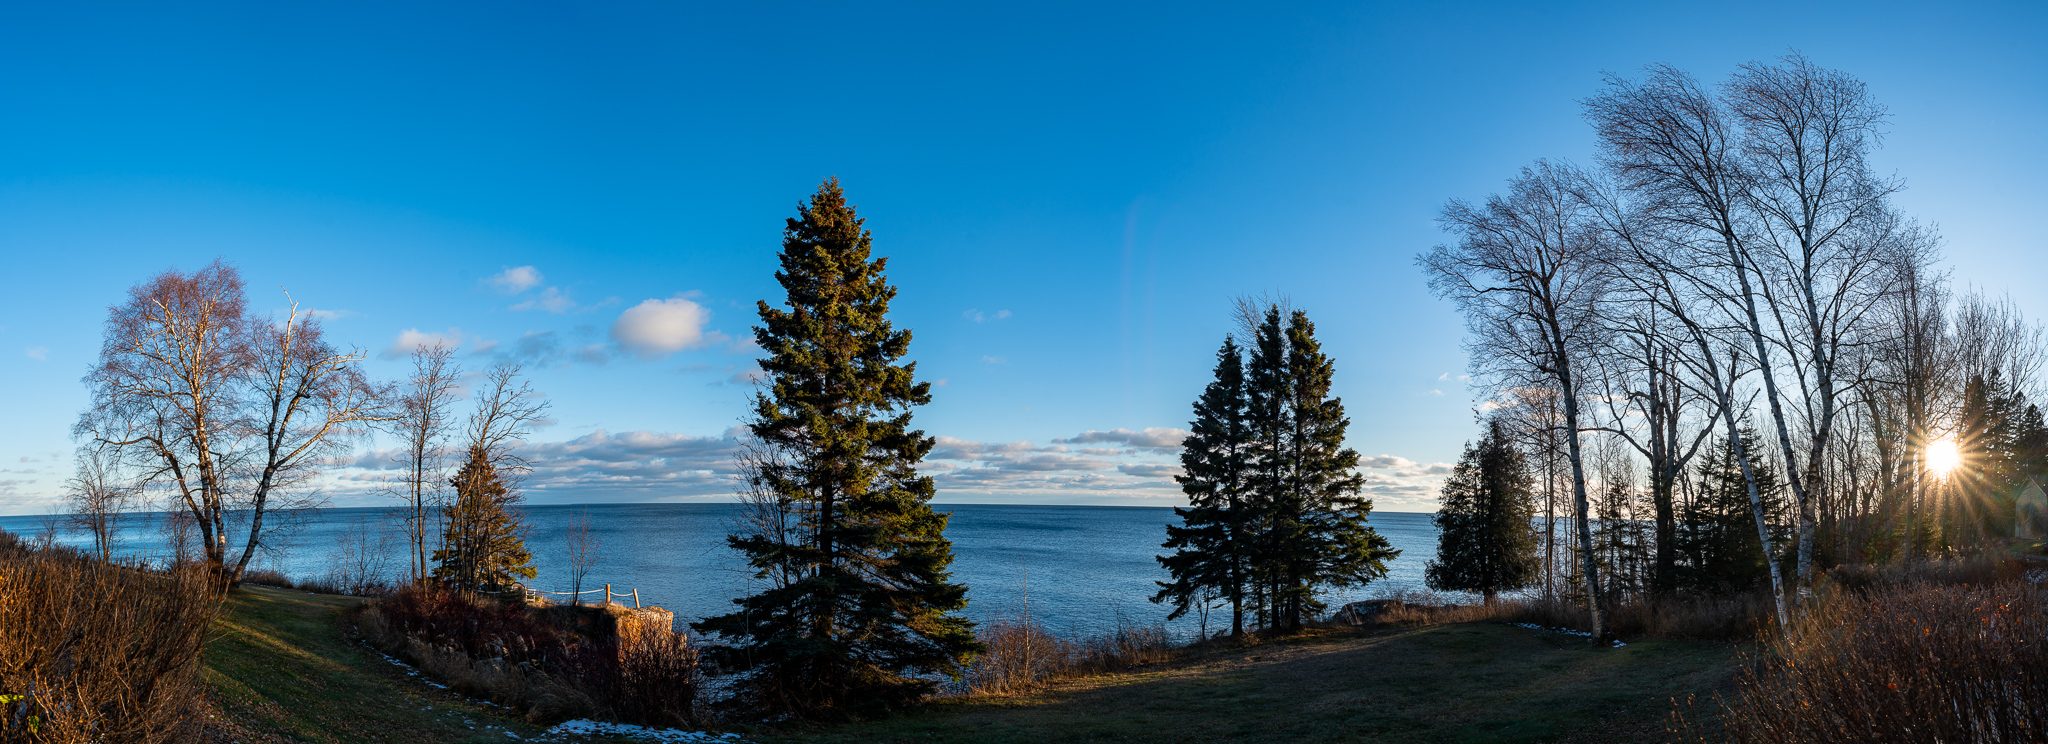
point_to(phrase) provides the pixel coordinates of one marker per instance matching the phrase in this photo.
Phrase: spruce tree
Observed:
(484, 546)
(1209, 553)
(1324, 533)
(859, 612)
(1485, 539)
(1268, 389)
(1718, 532)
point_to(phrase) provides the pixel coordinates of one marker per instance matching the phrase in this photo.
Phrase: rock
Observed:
(1366, 612)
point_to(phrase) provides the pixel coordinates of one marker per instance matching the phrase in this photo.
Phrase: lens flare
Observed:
(1943, 457)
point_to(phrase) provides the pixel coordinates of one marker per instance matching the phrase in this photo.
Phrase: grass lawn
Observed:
(1467, 682)
(280, 669)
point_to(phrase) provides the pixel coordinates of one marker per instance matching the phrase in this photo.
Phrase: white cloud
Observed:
(412, 339)
(38, 353)
(994, 361)
(658, 327)
(515, 279)
(977, 316)
(551, 299)
(324, 314)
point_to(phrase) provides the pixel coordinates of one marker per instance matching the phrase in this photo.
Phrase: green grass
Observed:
(1466, 682)
(281, 669)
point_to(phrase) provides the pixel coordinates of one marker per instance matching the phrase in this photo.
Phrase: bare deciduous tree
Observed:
(584, 551)
(98, 494)
(424, 423)
(1528, 274)
(230, 412)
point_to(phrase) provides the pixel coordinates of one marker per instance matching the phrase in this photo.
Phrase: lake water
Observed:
(1081, 567)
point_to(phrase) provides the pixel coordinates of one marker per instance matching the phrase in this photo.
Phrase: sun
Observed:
(1943, 457)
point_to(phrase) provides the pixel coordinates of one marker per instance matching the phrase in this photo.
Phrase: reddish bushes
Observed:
(1952, 663)
(96, 652)
(552, 662)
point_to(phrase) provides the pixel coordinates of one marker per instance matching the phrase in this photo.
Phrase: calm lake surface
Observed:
(1081, 567)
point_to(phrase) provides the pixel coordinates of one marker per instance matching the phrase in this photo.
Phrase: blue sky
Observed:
(1070, 195)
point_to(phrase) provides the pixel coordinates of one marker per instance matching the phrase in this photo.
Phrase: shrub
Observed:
(97, 652)
(1018, 657)
(1921, 662)
(550, 662)
(1021, 656)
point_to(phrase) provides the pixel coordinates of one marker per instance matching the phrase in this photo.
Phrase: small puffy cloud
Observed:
(550, 299)
(413, 339)
(1154, 437)
(515, 279)
(977, 316)
(658, 327)
(325, 314)
(38, 353)
(993, 360)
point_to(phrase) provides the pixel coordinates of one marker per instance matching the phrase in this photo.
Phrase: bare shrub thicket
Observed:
(549, 662)
(91, 651)
(1021, 655)
(1903, 663)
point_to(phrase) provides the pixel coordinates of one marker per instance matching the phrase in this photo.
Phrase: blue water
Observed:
(1081, 567)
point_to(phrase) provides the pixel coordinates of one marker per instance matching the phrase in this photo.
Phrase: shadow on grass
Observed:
(1464, 682)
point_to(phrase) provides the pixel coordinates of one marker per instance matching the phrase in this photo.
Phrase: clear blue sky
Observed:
(1070, 194)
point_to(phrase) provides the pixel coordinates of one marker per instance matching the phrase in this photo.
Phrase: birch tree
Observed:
(230, 412)
(1527, 273)
(424, 422)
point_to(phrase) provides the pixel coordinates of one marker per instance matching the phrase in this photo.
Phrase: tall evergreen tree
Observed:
(1210, 554)
(859, 614)
(484, 545)
(1486, 542)
(1324, 534)
(1268, 389)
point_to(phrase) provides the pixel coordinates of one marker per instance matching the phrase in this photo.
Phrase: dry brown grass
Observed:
(97, 652)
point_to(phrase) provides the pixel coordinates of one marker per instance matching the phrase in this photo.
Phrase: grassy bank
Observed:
(281, 669)
(1461, 682)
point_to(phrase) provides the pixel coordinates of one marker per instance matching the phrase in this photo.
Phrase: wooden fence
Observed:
(607, 589)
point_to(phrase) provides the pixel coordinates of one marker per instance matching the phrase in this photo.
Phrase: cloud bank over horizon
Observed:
(1106, 466)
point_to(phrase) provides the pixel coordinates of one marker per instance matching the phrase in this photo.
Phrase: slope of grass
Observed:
(281, 669)
(1465, 682)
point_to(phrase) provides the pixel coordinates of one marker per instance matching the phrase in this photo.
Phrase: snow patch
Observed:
(1573, 632)
(587, 727)
(410, 671)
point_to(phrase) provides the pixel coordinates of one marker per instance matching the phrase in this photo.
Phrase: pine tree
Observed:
(1210, 556)
(484, 546)
(1485, 541)
(859, 614)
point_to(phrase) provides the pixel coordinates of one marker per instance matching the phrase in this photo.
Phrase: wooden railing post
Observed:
(636, 597)
(607, 592)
